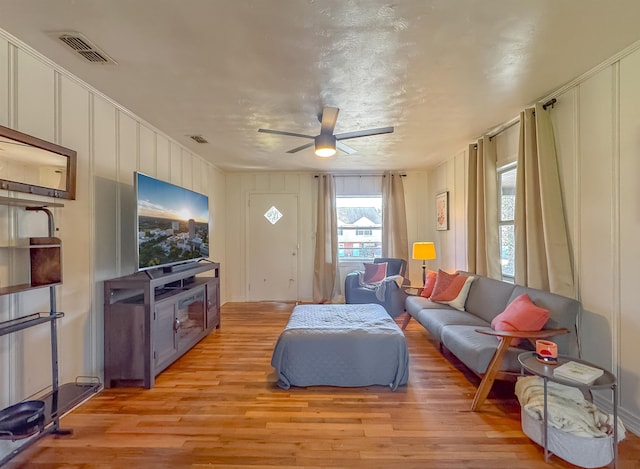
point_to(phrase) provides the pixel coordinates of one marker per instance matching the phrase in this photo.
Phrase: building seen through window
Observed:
(359, 227)
(507, 187)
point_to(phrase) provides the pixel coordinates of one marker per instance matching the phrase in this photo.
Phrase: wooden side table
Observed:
(530, 363)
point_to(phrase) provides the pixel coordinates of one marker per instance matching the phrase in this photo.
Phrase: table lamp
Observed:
(425, 251)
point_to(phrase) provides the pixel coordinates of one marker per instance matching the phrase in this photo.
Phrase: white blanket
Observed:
(567, 409)
(381, 286)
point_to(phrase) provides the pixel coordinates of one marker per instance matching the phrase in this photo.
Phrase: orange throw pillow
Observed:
(429, 283)
(375, 273)
(447, 286)
(452, 289)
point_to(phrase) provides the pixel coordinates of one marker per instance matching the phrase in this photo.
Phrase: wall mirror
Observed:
(29, 164)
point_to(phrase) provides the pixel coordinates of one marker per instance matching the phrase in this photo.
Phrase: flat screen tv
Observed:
(172, 224)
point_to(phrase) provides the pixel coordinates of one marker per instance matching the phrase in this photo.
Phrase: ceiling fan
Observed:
(326, 142)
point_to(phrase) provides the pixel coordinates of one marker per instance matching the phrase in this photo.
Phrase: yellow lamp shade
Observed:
(424, 251)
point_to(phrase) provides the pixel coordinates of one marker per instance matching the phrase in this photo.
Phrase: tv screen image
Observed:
(172, 223)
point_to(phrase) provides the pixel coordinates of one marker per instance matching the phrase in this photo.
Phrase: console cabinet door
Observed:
(190, 318)
(164, 343)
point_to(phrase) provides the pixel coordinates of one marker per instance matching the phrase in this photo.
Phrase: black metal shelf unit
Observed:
(60, 398)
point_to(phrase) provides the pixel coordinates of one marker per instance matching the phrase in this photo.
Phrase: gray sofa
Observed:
(457, 330)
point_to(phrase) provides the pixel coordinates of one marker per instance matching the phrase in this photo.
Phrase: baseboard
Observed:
(631, 421)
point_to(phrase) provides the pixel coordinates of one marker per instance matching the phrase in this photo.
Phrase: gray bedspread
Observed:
(341, 345)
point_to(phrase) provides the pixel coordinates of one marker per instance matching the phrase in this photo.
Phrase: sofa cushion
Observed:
(435, 320)
(429, 283)
(374, 272)
(476, 350)
(414, 304)
(488, 297)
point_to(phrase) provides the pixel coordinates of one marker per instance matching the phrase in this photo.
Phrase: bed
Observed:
(341, 345)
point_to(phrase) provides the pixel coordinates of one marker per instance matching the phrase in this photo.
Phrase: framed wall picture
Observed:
(442, 211)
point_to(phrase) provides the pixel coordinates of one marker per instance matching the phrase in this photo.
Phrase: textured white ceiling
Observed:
(441, 71)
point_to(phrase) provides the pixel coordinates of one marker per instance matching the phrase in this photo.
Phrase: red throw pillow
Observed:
(374, 273)
(521, 314)
(429, 283)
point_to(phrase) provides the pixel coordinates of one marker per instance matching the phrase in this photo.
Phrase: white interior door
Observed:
(272, 262)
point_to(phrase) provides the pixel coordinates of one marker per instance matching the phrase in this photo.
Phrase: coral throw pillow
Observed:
(521, 314)
(451, 289)
(429, 283)
(374, 273)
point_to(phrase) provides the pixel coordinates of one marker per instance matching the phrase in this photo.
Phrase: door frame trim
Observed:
(247, 238)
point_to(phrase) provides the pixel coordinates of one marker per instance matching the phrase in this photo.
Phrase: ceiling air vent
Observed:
(198, 138)
(84, 47)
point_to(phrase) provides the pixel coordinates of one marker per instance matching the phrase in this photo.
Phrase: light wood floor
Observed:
(218, 406)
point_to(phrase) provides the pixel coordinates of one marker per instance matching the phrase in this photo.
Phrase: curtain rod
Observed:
(359, 175)
(498, 130)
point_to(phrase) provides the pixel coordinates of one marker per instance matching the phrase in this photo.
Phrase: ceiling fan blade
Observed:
(364, 133)
(346, 148)
(301, 147)
(280, 132)
(329, 119)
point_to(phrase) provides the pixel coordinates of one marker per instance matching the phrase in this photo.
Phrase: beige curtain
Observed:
(394, 218)
(542, 254)
(483, 245)
(325, 272)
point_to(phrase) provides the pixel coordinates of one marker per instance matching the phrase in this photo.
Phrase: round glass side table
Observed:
(531, 364)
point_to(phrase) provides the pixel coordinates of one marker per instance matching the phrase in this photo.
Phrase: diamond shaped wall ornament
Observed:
(273, 215)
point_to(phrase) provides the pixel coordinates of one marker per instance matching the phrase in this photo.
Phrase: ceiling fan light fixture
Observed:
(325, 145)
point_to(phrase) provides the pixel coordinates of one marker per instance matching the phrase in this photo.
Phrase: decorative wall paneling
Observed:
(33, 88)
(78, 234)
(240, 185)
(420, 223)
(596, 124)
(627, 345)
(97, 229)
(451, 245)
(4, 82)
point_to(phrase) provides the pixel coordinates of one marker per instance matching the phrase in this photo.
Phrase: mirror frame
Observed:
(69, 192)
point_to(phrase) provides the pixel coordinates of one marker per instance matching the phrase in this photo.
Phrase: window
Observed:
(507, 187)
(359, 227)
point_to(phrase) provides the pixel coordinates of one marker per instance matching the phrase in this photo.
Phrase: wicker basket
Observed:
(578, 450)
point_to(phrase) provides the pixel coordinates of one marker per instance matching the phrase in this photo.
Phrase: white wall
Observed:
(597, 129)
(97, 229)
(451, 244)
(238, 188)
(420, 216)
